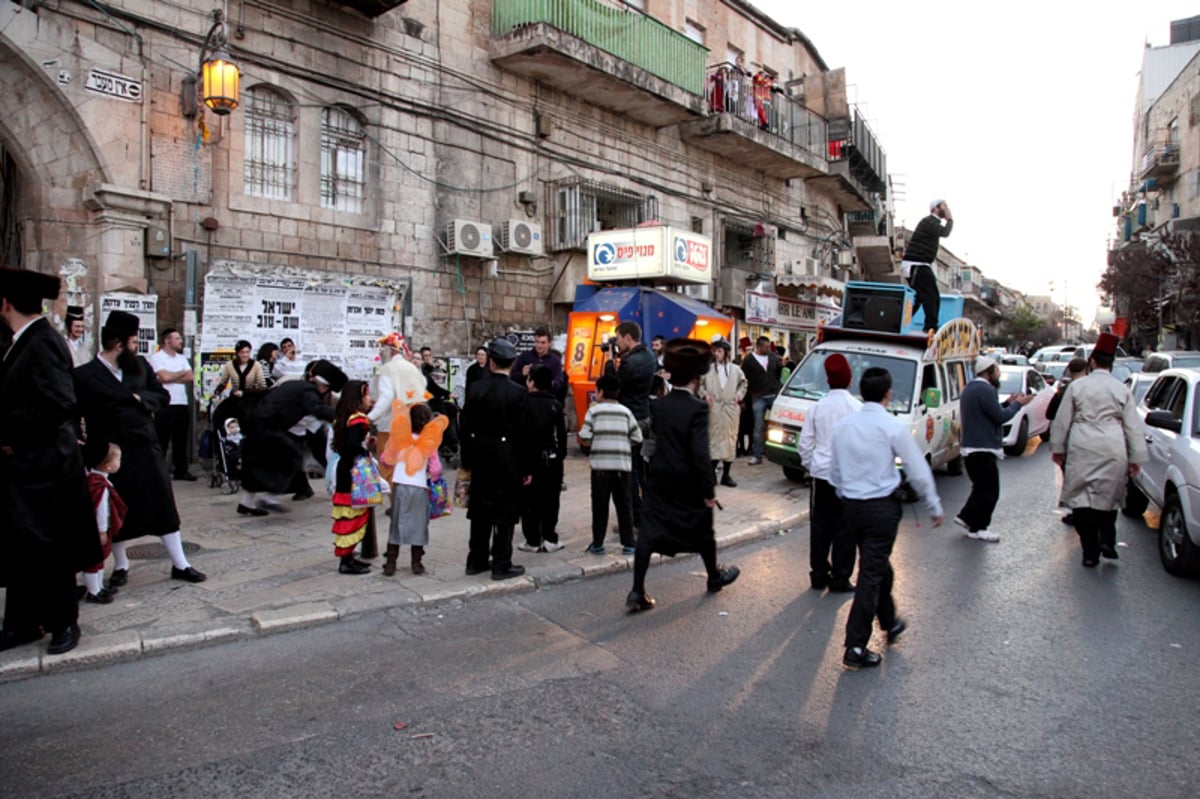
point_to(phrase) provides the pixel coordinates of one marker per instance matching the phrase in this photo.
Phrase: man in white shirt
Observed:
(865, 448)
(174, 421)
(289, 365)
(827, 528)
(76, 340)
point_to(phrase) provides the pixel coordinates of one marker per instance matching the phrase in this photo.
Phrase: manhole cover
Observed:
(153, 551)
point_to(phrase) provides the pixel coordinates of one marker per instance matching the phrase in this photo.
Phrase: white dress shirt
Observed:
(288, 368)
(865, 447)
(176, 362)
(816, 436)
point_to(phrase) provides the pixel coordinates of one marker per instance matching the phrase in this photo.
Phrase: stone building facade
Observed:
(366, 128)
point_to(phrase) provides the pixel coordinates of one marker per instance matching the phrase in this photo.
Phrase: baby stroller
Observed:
(225, 443)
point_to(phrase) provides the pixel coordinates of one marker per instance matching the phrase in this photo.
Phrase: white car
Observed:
(1030, 420)
(1139, 383)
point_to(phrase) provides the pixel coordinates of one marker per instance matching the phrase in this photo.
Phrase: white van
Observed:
(928, 375)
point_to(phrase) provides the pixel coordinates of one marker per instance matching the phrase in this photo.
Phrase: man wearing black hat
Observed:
(497, 448)
(272, 459)
(75, 330)
(681, 491)
(49, 531)
(118, 397)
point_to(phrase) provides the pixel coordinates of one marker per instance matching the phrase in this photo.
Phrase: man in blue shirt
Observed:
(865, 448)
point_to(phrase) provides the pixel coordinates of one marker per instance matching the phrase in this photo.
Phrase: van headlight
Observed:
(777, 435)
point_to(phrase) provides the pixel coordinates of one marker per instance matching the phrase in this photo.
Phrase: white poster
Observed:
(143, 306)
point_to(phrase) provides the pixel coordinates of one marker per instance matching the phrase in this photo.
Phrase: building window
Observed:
(343, 161)
(639, 5)
(693, 31)
(580, 207)
(269, 163)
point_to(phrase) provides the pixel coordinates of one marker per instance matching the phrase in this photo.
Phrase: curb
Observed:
(129, 645)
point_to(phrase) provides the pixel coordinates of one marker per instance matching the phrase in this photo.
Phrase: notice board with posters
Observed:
(143, 306)
(338, 317)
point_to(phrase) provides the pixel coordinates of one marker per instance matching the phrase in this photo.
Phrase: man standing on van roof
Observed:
(922, 250)
(983, 444)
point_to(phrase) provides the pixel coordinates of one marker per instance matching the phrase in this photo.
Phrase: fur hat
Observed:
(329, 374)
(686, 359)
(1106, 345)
(120, 325)
(74, 314)
(27, 288)
(837, 371)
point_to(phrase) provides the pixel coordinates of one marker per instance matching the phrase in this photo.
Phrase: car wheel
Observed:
(1018, 447)
(1135, 501)
(955, 467)
(794, 474)
(1179, 555)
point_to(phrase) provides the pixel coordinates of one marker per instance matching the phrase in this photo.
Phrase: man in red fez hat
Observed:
(827, 529)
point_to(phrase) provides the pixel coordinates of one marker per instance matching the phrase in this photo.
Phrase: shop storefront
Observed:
(790, 323)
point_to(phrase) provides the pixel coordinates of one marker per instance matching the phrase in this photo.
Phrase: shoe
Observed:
(64, 641)
(594, 549)
(755, 461)
(819, 582)
(1090, 563)
(118, 578)
(728, 481)
(10, 638)
(898, 627)
(186, 477)
(300, 496)
(351, 566)
(841, 587)
(473, 570)
(509, 573)
(959, 521)
(190, 574)
(724, 577)
(1109, 552)
(858, 657)
(984, 535)
(389, 562)
(102, 597)
(638, 601)
(628, 550)
(553, 546)
(1068, 519)
(526, 547)
(80, 592)
(244, 510)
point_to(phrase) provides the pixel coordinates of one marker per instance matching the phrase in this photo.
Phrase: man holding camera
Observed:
(919, 255)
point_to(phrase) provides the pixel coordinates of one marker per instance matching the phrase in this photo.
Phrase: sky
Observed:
(1019, 115)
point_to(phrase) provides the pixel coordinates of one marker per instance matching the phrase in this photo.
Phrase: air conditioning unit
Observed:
(464, 237)
(519, 236)
(812, 267)
(699, 291)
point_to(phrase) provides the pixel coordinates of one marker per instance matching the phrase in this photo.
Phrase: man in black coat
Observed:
(763, 371)
(118, 397)
(636, 375)
(497, 449)
(682, 486)
(49, 530)
(548, 431)
(273, 458)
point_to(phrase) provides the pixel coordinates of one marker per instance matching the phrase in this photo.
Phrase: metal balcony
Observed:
(754, 125)
(862, 223)
(616, 59)
(857, 165)
(1161, 164)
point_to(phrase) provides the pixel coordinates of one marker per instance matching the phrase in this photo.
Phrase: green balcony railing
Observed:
(636, 38)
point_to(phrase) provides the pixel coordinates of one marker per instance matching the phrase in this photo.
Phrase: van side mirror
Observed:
(932, 398)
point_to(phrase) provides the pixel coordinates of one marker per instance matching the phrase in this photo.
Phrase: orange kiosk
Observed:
(660, 313)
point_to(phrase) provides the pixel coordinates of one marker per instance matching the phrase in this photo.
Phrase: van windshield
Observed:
(808, 381)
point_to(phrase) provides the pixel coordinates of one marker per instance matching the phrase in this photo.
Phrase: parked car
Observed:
(1171, 478)
(1054, 371)
(1124, 367)
(1030, 420)
(1050, 354)
(1183, 359)
(1009, 359)
(1085, 352)
(1139, 383)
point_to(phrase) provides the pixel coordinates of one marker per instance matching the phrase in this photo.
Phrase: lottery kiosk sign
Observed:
(656, 253)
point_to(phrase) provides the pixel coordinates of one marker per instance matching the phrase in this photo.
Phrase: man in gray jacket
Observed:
(983, 444)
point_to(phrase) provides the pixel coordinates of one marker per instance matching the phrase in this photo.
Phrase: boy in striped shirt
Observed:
(611, 430)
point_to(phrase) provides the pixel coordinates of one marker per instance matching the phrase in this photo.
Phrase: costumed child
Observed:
(102, 459)
(351, 441)
(410, 487)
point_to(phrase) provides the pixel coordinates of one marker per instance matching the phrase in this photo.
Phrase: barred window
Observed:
(580, 207)
(269, 164)
(343, 161)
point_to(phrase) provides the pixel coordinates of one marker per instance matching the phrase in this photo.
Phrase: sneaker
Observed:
(755, 461)
(858, 657)
(984, 535)
(525, 547)
(553, 546)
(595, 550)
(628, 550)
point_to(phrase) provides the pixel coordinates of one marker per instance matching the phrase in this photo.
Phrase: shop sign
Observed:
(659, 253)
(782, 312)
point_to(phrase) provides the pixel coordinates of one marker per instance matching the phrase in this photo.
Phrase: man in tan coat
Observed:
(723, 387)
(1098, 440)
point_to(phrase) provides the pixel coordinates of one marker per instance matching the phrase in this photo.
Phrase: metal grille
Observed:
(343, 161)
(583, 206)
(269, 164)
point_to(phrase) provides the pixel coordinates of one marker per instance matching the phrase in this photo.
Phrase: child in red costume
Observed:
(102, 459)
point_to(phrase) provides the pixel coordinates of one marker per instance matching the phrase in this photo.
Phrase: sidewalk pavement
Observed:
(276, 573)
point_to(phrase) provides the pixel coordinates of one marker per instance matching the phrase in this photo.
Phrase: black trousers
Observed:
(173, 423)
(924, 283)
(828, 535)
(540, 501)
(639, 477)
(45, 597)
(873, 523)
(1096, 528)
(645, 548)
(617, 485)
(499, 536)
(985, 490)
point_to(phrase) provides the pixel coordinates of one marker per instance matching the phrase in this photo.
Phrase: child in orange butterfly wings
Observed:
(410, 484)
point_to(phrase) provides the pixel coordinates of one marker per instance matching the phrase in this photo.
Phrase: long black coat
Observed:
(674, 516)
(112, 412)
(496, 447)
(46, 512)
(271, 458)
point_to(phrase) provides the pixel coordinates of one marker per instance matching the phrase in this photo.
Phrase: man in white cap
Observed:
(919, 255)
(983, 444)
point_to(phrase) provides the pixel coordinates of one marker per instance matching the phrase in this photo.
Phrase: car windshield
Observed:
(1010, 383)
(1185, 361)
(808, 381)
(1139, 388)
(1055, 369)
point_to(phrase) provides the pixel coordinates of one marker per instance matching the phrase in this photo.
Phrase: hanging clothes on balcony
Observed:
(762, 98)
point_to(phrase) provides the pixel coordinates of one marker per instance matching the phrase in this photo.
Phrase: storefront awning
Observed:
(817, 285)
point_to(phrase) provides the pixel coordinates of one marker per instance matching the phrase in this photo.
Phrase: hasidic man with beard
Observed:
(118, 396)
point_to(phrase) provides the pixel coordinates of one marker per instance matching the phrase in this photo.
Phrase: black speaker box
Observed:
(881, 311)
